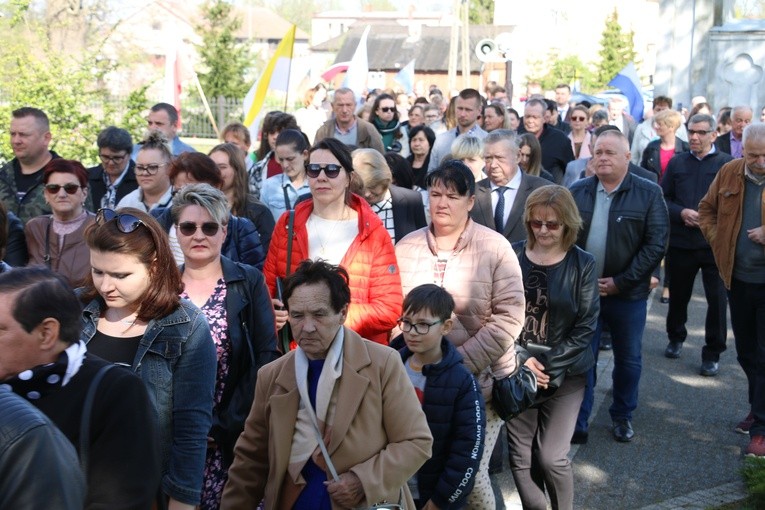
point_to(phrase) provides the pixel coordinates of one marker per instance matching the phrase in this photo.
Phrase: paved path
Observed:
(685, 454)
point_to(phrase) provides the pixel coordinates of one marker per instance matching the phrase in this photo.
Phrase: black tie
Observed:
(499, 211)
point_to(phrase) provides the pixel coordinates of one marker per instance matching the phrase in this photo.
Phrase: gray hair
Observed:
(502, 135)
(205, 196)
(756, 131)
(703, 117)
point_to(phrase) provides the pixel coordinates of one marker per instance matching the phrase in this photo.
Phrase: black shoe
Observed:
(605, 344)
(664, 300)
(673, 349)
(622, 430)
(709, 368)
(579, 437)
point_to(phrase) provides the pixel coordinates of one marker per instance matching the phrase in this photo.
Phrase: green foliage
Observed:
(224, 59)
(754, 479)
(567, 70)
(481, 12)
(299, 12)
(617, 49)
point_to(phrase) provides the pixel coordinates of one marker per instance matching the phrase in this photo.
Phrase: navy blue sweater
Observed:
(685, 183)
(455, 411)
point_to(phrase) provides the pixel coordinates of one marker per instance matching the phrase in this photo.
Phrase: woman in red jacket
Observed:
(340, 228)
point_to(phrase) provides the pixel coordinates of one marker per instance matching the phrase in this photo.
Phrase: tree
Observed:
(617, 49)
(568, 70)
(481, 12)
(224, 59)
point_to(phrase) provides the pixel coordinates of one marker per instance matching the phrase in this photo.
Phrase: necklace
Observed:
(317, 231)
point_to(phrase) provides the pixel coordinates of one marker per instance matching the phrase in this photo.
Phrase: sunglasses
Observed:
(70, 188)
(552, 226)
(578, 118)
(314, 169)
(387, 109)
(189, 228)
(126, 223)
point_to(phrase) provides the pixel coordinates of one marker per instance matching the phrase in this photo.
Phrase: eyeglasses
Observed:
(314, 169)
(70, 188)
(579, 118)
(189, 228)
(148, 169)
(552, 226)
(126, 223)
(698, 132)
(421, 328)
(111, 159)
(387, 109)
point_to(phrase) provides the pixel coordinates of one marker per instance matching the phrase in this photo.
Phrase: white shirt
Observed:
(330, 239)
(135, 199)
(510, 193)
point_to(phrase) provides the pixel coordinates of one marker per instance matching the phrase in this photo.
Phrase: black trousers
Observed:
(682, 271)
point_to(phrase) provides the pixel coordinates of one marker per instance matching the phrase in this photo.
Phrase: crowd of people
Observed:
(321, 323)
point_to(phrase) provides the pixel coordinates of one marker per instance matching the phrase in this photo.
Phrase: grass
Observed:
(753, 474)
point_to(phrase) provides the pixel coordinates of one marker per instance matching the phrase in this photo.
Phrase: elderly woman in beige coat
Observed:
(354, 393)
(479, 268)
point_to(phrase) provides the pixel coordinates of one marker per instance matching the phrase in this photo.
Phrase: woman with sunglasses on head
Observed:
(235, 300)
(282, 192)
(134, 317)
(562, 306)
(242, 242)
(241, 202)
(57, 240)
(579, 136)
(340, 228)
(384, 116)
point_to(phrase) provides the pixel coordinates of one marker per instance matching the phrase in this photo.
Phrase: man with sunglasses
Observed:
(114, 178)
(625, 227)
(685, 182)
(21, 186)
(346, 127)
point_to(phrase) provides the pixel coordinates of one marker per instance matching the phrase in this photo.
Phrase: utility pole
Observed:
(453, 44)
(466, 49)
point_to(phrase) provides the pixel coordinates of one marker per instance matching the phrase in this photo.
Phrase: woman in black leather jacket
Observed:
(562, 307)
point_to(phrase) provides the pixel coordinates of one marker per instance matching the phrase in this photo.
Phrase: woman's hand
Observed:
(348, 492)
(280, 313)
(539, 370)
(430, 506)
(177, 505)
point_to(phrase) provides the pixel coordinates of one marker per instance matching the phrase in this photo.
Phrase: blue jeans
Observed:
(626, 320)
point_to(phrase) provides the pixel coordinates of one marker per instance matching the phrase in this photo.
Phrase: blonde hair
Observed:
(669, 118)
(372, 168)
(559, 200)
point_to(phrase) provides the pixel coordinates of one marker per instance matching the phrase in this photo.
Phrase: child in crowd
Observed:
(449, 395)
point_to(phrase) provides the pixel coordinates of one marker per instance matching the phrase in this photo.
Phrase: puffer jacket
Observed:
(483, 276)
(456, 417)
(638, 231)
(573, 305)
(721, 213)
(370, 261)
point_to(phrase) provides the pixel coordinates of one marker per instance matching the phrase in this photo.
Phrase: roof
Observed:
(389, 47)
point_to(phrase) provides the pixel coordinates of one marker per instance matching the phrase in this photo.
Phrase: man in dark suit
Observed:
(115, 176)
(401, 210)
(731, 142)
(501, 198)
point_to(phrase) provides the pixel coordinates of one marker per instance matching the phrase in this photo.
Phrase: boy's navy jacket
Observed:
(455, 411)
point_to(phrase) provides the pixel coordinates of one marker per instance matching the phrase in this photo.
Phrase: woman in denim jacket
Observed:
(134, 317)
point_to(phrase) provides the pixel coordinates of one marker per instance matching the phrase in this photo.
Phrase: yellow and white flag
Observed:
(275, 78)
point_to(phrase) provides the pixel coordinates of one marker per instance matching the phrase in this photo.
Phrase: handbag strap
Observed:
(87, 411)
(290, 234)
(46, 257)
(287, 204)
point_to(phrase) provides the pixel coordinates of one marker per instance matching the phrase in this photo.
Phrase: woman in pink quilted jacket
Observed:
(479, 268)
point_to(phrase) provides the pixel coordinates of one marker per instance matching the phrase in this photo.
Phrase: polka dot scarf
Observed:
(39, 381)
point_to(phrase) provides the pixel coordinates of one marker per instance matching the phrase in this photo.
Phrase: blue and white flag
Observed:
(405, 77)
(628, 83)
(358, 68)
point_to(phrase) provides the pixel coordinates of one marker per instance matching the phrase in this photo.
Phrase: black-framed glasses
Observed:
(112, 159)
(552, 226)
(189, 228)
(579, 118)
(421, 328)
(700, 132)
(126, 223)
(388, 109)
(149, 169)
(70, 188)
(314, 169)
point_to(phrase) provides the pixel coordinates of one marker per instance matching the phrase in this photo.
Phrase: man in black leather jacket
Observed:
(626, 227)
(38, 465)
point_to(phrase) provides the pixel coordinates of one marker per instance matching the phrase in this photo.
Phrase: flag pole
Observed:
(289, 74)
(206, 104)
